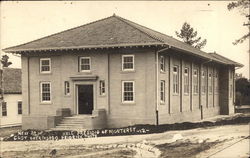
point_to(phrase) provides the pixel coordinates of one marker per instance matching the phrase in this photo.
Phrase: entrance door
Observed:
(85, 99)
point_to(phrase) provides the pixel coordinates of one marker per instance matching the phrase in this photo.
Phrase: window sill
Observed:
(67, 95)
(128, 103)
(45, 73)
(102, 95)
(45, 103)
(175, 94)
(162, 103)
(186, 94)
(163, 72)
(128, 71)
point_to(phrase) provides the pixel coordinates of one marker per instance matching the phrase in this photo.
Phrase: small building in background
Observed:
(11, 104)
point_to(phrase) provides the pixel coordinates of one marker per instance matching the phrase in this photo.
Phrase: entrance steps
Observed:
(97, 120)
(78, 122)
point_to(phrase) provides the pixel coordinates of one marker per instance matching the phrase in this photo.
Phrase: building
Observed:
(11, 104)
(120, 73)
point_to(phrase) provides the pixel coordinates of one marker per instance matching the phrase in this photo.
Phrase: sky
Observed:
(26, 21)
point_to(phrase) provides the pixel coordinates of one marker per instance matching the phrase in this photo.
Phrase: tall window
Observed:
(162, 63)
(186, 80)
(162, 94)
(128, 91)
(203, 80)
(231, 91)
(128, 62)
(175, 80)
(85, 64)
(195, 80)
(210, 81)
(19, 108)
(216, 83)
(4, 108)
(102, 87)
(45, 65)
(66, 88)
(45, 92)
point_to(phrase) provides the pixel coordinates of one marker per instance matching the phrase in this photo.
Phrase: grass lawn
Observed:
(7, 131)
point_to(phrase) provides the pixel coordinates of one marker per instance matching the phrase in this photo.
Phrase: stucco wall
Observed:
(12, 118)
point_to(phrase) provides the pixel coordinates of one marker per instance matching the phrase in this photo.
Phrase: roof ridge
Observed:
(59, 32)
(127, 22)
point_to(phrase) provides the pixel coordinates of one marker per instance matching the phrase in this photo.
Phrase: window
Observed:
(210, 83)
(231, 91)
(195, 80)
(4, 108)
(128, 62)
(175, 80)
(128, 92)
(203, 80)
(162, 63)
(66, 88)
(19, 108)
(216, 83)
(102, 87)
(162, 93)
(186, 80)
(45, 92)
(45, 65)
(85, 64)
(231, 74)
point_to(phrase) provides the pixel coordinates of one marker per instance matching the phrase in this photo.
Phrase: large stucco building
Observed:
(120, 73)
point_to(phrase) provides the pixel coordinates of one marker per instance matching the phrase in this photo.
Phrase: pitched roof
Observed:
(12, 81)
(109, 32)
(226, 60)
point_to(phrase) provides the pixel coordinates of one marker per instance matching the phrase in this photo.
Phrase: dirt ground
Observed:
(200, 142)
(9, 130)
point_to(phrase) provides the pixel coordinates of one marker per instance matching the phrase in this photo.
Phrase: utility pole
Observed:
(248, 24)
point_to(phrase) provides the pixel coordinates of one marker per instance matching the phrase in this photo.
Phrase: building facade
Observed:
(11, 103)
(119, 73)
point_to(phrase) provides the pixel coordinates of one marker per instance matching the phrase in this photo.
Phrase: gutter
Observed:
(157, 82)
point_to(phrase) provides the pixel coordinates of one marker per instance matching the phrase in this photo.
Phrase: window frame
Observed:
(210, 83)
(196, 82)
(80, 64)
(102, 86)
(125, 101)
(44, 59)
(216, 82)
(203, 82)
(6, 110)
(66, 88)
(162, 91)
(41, 93)
(186, 80)
(18, 108)
(176, 86)
(133, 62)
(162, 64)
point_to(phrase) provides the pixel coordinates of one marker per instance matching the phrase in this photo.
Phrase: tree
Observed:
(5, 61)
(188, 35)
(243, 6)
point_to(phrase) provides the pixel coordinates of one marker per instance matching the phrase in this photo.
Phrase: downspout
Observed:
(157, 83)
(201, 107)
(28, 69)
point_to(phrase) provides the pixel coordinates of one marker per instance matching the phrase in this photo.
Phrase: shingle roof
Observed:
(109, 32)
(226, 60)
(12, 81)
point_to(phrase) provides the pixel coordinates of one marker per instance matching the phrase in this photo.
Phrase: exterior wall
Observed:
(65, 65)
(106, 65)
(12, 118)
(186, 107)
